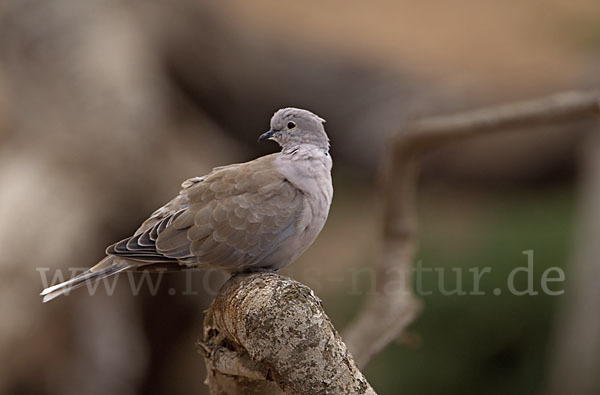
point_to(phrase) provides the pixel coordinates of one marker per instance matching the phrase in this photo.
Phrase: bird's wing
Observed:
(231, 219)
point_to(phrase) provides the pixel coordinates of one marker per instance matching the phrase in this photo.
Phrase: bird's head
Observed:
(291, 127)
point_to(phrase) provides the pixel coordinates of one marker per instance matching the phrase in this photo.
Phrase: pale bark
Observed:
(268, 334)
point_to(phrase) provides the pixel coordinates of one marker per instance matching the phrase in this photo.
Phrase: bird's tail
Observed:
(108, 266)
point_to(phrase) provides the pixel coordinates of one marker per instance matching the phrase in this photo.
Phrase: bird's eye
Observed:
(291, 125)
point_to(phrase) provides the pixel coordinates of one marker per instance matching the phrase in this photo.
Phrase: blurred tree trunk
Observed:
(576, 360)
(89, 146)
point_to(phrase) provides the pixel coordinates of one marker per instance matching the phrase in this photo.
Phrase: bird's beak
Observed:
(266, 135)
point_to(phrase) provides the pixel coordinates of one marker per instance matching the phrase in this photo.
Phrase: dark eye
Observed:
(291, 125)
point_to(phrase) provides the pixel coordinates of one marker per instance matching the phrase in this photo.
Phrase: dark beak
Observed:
(266, 135)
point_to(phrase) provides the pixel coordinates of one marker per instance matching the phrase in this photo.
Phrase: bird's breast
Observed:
(310, 172)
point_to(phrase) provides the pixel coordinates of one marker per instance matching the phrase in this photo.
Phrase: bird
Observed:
(259, 215)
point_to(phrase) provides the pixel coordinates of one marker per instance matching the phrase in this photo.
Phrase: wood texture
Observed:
(268, 334)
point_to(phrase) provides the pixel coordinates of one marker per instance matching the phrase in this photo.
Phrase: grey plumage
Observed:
(260, 214)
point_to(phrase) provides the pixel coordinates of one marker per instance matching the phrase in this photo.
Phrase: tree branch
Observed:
(393, 306)
(268, 334)
(561, 107)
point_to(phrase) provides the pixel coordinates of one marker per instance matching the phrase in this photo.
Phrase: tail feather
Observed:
(109, 266)
(77, 279)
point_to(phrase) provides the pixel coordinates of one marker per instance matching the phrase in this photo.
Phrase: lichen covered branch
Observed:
(274, 337)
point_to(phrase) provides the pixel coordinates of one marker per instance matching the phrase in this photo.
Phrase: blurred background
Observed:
(107, 105)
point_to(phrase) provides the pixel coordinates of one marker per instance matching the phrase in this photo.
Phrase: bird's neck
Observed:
(307, 156)
(304, 151)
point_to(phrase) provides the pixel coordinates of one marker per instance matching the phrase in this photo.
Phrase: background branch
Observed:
(393, 306)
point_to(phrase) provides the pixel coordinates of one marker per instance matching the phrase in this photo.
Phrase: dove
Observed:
(257, 215)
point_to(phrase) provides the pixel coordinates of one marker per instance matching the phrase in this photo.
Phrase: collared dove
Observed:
(258, 215)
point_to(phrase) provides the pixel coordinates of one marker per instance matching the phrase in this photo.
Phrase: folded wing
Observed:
(231, 219)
